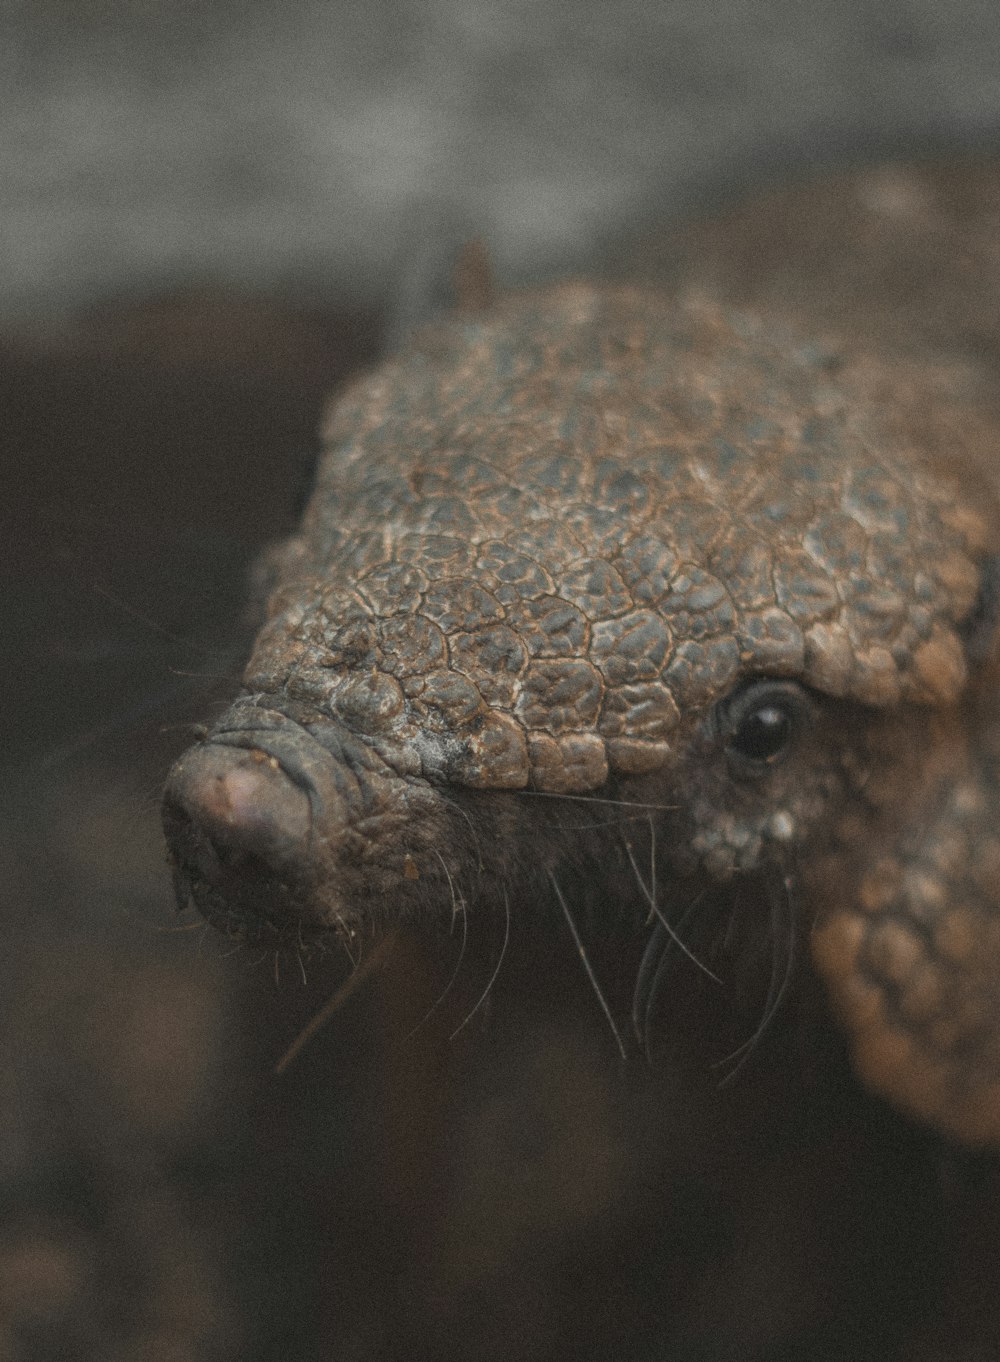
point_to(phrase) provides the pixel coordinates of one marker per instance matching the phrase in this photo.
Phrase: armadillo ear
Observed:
(981, 629)
(427, 280)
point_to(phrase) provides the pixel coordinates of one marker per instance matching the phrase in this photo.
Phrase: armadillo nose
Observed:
(233, 815)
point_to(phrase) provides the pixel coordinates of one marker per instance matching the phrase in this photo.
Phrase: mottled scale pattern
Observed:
(913, 960)
(540, 535)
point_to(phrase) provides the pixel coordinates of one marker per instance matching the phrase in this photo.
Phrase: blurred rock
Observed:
(310, 145)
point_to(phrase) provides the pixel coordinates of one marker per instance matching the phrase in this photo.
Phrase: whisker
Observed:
(659, 978)
(493, 977)
(472, 828)
(655, 907)
(207, 676)
(123, 719)
(451, 887)
(587, 966)
(455, 911)
(343, 937)
(595, 799)
(647, 970)
(652, 859)
(188, 726)
(646, 893)
(782, 918)
(734, 912)
(618, 822)
(336, 1002)
(148, 621)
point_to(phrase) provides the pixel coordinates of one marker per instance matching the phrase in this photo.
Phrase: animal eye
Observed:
(761, 721)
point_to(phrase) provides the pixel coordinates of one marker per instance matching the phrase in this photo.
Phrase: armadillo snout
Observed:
(283, 824)
(238, 828)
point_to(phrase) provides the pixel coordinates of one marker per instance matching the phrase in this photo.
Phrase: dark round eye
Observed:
(761, 721)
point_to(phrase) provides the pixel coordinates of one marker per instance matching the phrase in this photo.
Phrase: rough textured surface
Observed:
(911, 947)
(595, 542)
(599, 506)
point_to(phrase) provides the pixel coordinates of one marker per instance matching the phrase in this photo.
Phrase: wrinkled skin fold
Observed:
(599, 559)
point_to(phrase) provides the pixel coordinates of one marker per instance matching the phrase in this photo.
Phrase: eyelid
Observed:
(756, 694)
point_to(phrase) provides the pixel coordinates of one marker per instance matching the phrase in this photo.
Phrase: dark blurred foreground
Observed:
(164, 1196)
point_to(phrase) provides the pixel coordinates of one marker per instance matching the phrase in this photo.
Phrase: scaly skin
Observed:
(566, 547)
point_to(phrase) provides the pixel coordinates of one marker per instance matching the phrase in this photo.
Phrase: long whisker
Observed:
(657, 983)
(65, 752)
(300, 950)
(337, 1001)
(646, 892)
(493, 977)
(595, 799)
(734, 913)
(148, 622)
(472, 828)
(620, 822)
(167, 931)
(456, 911)
(587, 966)
(652, 860)
(236, 679)
(344, 937)
(782, 925)
(451, 888)
(648, 965)
(658, 911)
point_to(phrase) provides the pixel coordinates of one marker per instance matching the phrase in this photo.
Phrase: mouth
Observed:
(237, 896)
(233, 866)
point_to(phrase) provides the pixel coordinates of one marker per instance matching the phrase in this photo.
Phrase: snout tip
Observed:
(237, 825)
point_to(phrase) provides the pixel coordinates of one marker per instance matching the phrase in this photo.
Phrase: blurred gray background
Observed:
(308, 142)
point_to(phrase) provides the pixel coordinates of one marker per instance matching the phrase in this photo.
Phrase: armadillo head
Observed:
(597, 550)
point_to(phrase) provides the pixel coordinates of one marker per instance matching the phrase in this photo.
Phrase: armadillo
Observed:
(599, 548)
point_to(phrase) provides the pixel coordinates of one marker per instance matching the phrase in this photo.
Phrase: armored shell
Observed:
(537, 538)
